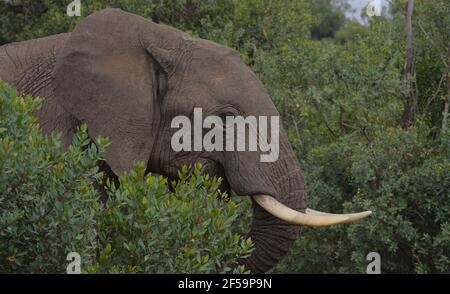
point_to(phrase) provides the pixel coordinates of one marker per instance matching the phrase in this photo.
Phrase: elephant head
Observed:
(127, 78)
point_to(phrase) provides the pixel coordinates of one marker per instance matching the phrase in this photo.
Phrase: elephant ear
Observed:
(106, 76)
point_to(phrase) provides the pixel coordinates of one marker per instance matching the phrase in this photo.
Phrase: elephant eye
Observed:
(226, 115)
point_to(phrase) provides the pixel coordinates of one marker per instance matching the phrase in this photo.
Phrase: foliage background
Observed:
(339, 88)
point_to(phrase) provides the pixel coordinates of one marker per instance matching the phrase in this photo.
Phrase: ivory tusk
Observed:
(310, 218)
(353, 217)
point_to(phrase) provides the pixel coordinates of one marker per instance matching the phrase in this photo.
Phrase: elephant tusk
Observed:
(310, 218)
(352, 217)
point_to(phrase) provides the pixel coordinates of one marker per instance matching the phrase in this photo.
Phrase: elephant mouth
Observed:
(209, 167)
(214, 168)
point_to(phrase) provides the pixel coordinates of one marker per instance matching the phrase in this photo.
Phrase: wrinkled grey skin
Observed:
(127, 77)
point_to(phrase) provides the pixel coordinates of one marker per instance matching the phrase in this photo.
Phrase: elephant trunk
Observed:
(278, 212)
(273, 237)
(281, 181)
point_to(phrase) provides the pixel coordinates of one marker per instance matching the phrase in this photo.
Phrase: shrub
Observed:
(48, 204)
(147, 228)
(49, 207)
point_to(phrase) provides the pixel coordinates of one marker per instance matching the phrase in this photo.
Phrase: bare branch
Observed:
(409, 68)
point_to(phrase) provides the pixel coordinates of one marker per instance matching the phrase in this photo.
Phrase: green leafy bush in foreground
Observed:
(49, 207)
(48, 204)
(148, 228)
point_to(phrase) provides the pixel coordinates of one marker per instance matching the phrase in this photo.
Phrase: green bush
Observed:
(147, 228)
(48, 204)
(49, 207)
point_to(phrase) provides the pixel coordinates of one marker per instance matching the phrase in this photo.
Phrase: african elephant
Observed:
(127, 78)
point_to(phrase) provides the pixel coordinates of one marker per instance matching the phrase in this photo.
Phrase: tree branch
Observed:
(409, 68)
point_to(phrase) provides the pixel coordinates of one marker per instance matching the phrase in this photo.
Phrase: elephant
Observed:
(127, 77)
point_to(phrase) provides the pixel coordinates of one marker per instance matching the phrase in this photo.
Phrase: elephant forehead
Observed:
(228, 81)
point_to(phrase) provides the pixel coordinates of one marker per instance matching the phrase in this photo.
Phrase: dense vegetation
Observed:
(341, 90)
